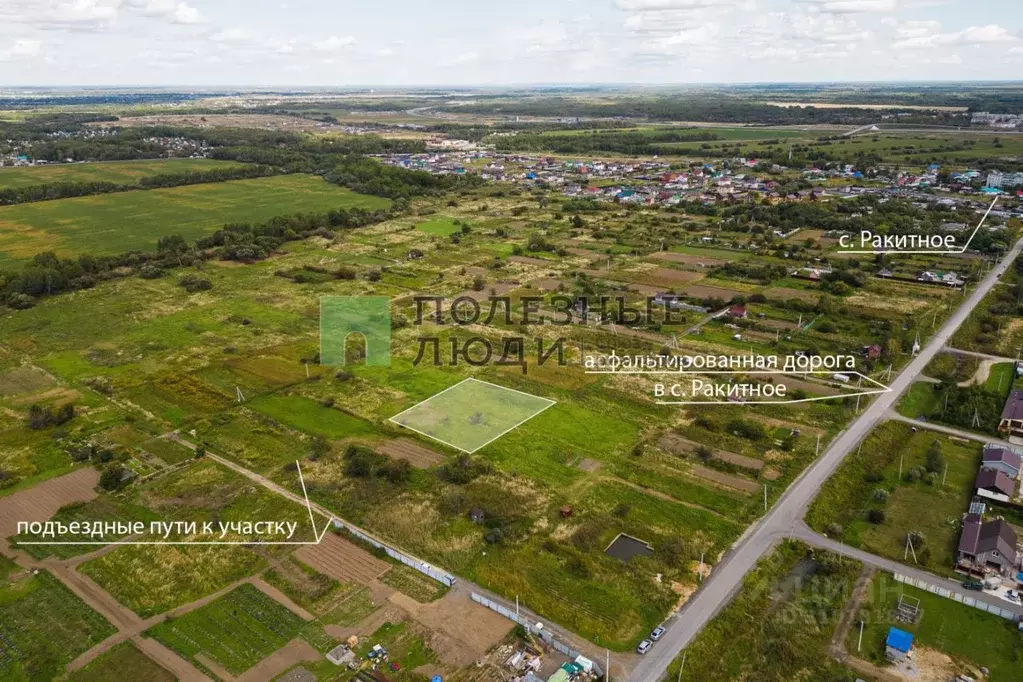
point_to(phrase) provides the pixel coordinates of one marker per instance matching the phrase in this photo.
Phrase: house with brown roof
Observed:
(1011, 423)
(995, 485)
(987, 547)
(1004, 459)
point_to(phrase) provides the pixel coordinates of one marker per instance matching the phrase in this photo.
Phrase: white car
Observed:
(644, 646)
(657, 633)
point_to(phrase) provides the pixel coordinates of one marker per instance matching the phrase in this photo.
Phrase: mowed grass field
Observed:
(124, 172)
(114, 223)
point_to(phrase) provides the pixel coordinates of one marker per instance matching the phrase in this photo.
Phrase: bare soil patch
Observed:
(412, 452)
(727, 480)
(471, 629)
(674, 443)
(668, 276)
(589, 465)
(42, 501)
(342, 560)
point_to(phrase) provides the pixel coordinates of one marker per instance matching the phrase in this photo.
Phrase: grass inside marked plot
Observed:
(471, 413)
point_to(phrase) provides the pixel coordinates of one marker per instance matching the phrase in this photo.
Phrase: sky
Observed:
(481, 42)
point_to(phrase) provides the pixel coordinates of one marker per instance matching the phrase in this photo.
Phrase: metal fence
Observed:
(410, 561)
(546, 635)
(956, 596)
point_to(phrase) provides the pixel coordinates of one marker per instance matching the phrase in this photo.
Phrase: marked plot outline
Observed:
(471, 414)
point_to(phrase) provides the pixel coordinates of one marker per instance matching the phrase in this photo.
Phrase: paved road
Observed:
(788, 512)
(807, 535)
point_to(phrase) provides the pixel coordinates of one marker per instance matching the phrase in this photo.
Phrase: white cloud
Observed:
(1016, 50)
(464, 58)
(333, 44)
(23, 48)
(851, 6)
(231, 35)
(922, 35)
(176, 11)
(656, 5)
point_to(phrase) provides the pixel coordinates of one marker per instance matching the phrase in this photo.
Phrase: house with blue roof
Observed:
(898, 645)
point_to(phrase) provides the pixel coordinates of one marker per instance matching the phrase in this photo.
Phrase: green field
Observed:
(236, 631)
(43, 626)
(471, 414)
(931, 504)
(439, 226)
(115, 223)
(119, 172)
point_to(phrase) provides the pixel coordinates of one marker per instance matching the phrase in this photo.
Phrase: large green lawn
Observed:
(115, 223)
(121, 172)
(965, 634)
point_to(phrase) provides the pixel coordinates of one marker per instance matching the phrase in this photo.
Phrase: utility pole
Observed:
(765, 498)
(607, 665)
(818, 452)
(901, 457)
(859, 642)
(699, 571)
(681, 666)
(516, 608)
(944, 476)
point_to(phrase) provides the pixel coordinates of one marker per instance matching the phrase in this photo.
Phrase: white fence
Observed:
(546, 635)
(956, 596)
(421, 566)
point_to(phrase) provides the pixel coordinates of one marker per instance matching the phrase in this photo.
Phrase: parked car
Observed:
(973, 585)
(1012, 596)
(644, 646)
(657, 633)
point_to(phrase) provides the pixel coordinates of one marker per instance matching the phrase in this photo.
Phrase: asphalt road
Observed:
(783, 518)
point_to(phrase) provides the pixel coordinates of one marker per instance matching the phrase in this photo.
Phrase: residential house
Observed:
(987, 547)
(737, 311)
(995, 485)
(1011, 422)
(1001, 458)
(872, 352)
